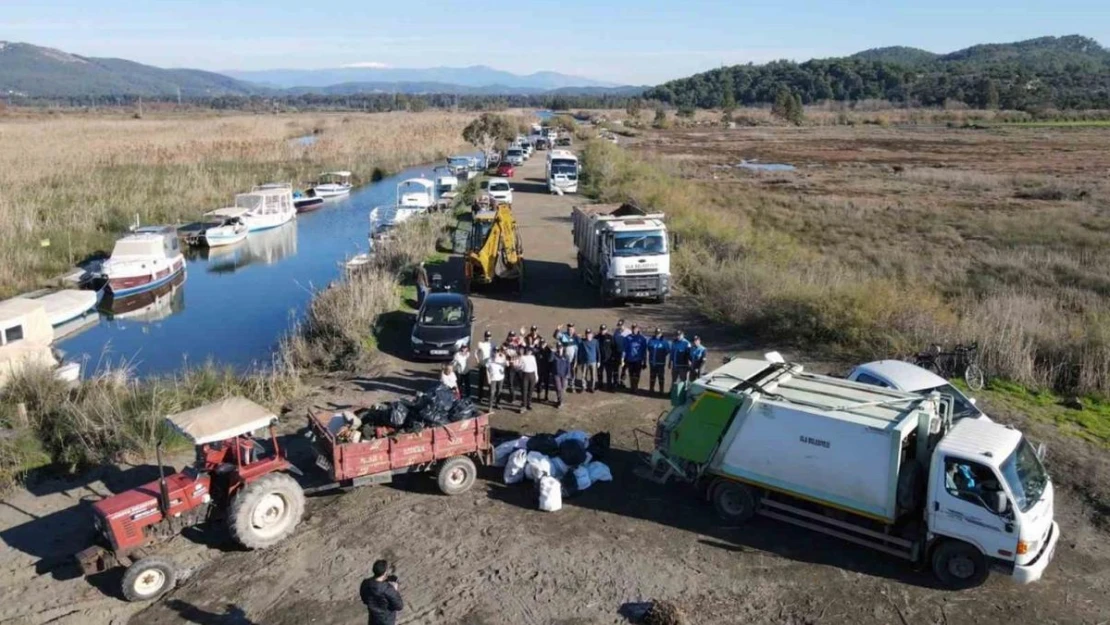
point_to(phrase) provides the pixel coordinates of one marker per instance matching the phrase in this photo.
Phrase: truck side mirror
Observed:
(971, 400)
(1041, 449)
(996, 501)
(675, 241)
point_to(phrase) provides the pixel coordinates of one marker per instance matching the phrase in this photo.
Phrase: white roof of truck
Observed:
(868, 405)
(980, 438)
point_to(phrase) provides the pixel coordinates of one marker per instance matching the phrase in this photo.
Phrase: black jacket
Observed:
(607, 348)
(383, 601)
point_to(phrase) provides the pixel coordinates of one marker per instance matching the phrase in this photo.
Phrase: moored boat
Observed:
(306, 202)
(333, 184)
(64, 305)
(266, 207)
(230, 230)
(143, 260)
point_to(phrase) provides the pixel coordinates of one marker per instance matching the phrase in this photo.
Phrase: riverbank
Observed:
(71, 184)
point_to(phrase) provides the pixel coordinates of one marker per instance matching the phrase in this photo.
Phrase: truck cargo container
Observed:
(623, 251)
(877, 467)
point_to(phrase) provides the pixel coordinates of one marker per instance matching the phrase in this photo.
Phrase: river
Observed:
(234, 304)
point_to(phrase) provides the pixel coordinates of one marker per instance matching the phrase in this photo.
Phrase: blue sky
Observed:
(627, 41)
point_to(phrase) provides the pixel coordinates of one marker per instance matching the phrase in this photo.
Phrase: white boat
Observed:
(25, 338)
(150, 306)
(333, 184)
(143, 260)
(447, 183)
(266, 208)
(358, 262)
(64, 305)
(231, 229)
(416, 192)
(384, 218)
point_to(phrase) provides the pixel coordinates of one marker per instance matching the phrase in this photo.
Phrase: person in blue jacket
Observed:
(635, 350)
(588, 356)
(680, 359)
(658, 352)
(697, 358)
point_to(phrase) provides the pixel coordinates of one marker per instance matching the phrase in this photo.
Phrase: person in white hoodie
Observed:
(495, 371)
(461, 364)
(485, 351)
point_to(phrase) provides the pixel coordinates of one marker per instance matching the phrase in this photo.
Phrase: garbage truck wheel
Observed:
(959, 566)
(734, 501)
(147, 579)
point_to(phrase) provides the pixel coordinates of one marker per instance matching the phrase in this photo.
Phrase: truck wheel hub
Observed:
(150, 582)
(457, 476)
(961, 567)
(269, 514)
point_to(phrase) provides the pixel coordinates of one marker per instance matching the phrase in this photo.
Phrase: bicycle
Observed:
(963, 361)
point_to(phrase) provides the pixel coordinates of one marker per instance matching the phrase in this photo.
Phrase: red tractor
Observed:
(233, 479)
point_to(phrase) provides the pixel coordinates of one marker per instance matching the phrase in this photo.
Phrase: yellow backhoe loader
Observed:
(494, 250)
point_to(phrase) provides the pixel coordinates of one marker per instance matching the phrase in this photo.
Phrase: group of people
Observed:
(569, 362)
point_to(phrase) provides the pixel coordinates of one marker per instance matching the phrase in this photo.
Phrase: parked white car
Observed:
(500, 190)
(514, 156)
(903, 376)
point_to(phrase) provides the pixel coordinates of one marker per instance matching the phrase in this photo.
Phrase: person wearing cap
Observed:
(697, 358)
(588, 356)
(658, 351)
(512, 346)
(560, 369)
(529, 371)
(495, 371)
(532, 339)
(607, 371)
(619, 335)
(680, 359)
(485, 351)
(544, 356)
(635, 350)
(567, 338)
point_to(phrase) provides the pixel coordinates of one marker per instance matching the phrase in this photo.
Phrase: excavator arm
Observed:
(501, 255)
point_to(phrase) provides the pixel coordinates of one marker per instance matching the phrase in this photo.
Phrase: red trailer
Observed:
(449, 450)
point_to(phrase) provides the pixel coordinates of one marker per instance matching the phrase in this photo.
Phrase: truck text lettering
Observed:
(809, 440)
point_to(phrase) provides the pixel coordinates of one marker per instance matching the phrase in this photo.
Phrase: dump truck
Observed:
(494, 249)
(882, 468)
(623, 251)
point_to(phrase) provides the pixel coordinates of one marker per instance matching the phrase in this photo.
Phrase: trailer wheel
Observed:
(149, 578)
(266, 511)
(733, 501)
(456, 475)
(959, 566)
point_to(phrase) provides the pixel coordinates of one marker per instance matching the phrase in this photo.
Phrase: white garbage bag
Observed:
(558, 468)
(575, 434)
(514, 467)
(599, 472)
(551, 494)
(536, 465)
(582, 478)
(501, 452)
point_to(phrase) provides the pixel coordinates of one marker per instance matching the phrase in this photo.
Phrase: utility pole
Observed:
(140, 106)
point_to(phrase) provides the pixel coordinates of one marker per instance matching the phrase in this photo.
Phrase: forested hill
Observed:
(1062, 72)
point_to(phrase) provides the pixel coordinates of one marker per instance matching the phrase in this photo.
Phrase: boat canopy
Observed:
(230, 212)
(271, 199)
(335, 174)
(28, 314)
(140, 246)
(416, 182)
(228, 418)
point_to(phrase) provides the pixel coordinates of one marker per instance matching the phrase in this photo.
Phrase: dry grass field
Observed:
(887, 238)
(78, 180)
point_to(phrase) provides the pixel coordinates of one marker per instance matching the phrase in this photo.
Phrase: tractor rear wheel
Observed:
(266, 511)
(456, 475)
(148, 578)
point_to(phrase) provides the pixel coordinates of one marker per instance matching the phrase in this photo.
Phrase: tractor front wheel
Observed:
(148, 578)
(266, 511)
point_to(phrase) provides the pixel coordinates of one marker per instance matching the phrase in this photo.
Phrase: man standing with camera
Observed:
(380, 595)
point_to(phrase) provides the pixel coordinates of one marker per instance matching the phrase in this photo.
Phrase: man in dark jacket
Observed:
(680, 359)
(560, 369)
(544, 356)
(608, 359)
(635, 350)
(658, 352)
(587, 358)
(380, 595)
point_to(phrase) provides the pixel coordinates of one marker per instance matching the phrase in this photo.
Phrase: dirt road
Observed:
(489, 558)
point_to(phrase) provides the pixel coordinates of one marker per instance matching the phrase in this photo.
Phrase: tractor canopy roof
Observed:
(222, 420)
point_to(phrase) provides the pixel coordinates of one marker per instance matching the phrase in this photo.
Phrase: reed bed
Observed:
(77, 181)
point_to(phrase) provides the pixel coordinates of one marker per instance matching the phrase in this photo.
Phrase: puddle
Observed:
(755, 165)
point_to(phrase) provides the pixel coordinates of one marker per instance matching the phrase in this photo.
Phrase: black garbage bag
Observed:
(572, 452)
(432, 416)
(544, 443)
(599, 445)
(569, 484)
(442, 397)
(398, 414)
(462, 410)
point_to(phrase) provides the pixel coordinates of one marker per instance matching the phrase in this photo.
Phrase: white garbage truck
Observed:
(623, 251)
(873, 466)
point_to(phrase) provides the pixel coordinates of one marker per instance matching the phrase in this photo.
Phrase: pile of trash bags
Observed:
(561, 464)
(436, 408)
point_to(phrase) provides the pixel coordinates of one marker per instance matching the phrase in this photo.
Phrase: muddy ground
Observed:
(488, 557)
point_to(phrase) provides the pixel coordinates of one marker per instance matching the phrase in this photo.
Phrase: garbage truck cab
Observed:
(877, 467)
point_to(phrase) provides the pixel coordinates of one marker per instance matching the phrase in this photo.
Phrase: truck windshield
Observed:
(646, 243)
(1025, 475)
